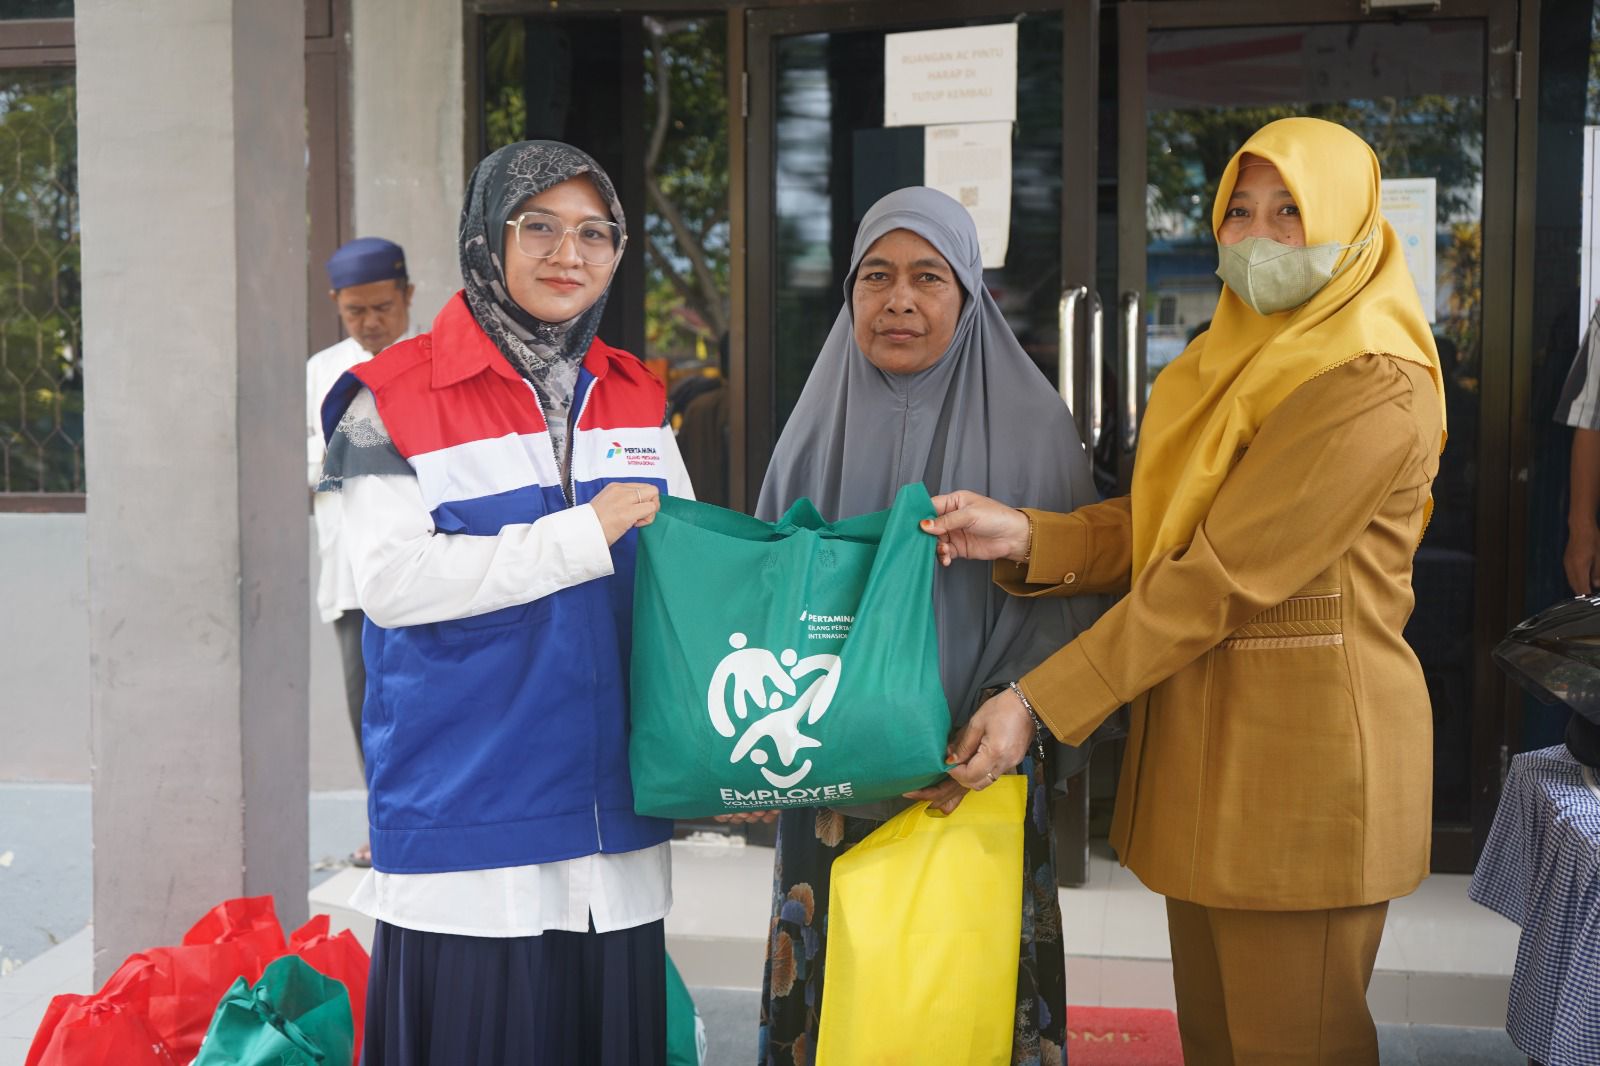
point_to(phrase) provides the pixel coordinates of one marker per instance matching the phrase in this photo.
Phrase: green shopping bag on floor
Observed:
(790, 664)
(294, 1016)
(686, 1030)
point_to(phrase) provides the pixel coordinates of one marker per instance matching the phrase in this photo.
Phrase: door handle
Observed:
(1130, 369)
(1097, 416)
(1067, 323)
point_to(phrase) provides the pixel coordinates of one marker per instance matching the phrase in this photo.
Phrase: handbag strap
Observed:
(271, 1015)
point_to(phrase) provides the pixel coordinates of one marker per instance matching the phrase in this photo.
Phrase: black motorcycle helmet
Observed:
(1555, 656)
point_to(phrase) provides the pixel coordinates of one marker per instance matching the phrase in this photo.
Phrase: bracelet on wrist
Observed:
(1027, 704)
(1027, 549)
(1040, 730)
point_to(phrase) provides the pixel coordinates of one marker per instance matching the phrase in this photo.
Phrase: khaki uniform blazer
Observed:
(1280, 752)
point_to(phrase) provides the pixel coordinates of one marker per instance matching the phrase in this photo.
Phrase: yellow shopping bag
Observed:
(924, 925)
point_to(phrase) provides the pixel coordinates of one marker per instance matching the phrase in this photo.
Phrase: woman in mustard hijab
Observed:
(1277, 786)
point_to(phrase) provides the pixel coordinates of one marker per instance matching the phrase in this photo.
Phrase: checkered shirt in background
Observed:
(1541, 869)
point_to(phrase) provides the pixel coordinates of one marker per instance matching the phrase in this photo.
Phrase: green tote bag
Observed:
(686, 1031)
(791, 664)
(294, 1016)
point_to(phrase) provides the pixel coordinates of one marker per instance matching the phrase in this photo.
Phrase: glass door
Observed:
(660, 127)
(820, 154)
(1433, 95)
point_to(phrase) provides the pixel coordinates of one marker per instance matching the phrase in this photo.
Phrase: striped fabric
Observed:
(1541, 869)
(562, 999)
(1312, 621)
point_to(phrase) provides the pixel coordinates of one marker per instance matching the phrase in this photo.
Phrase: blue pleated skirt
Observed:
(561, 999)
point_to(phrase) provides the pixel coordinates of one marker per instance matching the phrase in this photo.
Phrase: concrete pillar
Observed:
(407, 100)
(191, 128)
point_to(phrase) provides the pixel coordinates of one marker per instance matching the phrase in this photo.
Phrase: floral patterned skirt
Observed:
(809, 841)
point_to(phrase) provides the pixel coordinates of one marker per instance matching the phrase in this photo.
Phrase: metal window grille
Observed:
(41, 321)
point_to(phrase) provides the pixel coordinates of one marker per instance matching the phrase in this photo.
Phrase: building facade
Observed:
(747, 141)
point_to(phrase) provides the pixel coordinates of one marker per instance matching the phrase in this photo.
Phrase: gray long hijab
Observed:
(982, 418)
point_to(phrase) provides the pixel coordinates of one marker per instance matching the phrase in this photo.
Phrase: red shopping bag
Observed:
(107, 1027)
(249, 920)
(340, 957)
(236, 938)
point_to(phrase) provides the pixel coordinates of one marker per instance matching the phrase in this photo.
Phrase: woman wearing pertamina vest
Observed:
(493, 472)
(1278, 776)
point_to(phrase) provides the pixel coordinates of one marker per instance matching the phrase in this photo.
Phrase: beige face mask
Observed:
(1272, 277)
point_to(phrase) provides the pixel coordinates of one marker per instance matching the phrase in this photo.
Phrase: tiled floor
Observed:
(730, 1016)
(1436, 929)
(45, 877)
(1444, 961)
(25, 993)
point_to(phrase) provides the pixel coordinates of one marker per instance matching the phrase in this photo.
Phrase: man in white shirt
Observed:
(368, 284)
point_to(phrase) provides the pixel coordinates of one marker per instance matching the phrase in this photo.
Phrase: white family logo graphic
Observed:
(751, 670)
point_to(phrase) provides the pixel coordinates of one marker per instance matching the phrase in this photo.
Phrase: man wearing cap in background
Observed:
(370, 287)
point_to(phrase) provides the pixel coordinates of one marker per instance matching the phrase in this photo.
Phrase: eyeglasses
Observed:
(540, 236)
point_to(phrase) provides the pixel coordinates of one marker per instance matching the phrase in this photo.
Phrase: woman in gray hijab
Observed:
(922, 380)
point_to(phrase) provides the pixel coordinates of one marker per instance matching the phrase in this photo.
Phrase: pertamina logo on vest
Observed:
(633, 456)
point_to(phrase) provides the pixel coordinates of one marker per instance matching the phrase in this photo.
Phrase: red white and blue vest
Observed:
(502, 739)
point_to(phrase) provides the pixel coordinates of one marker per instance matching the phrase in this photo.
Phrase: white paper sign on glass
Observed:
(971, 163)
(968, 74)
(1411, 206)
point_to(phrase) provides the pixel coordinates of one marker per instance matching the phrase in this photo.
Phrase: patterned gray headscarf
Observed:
(546, 353)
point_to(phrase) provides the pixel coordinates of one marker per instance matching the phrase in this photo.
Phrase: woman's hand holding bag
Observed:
(625, 505)
(993, 742)
(970, 526)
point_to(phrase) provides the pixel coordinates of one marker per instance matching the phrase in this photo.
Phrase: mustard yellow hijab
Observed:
(1210, 401)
